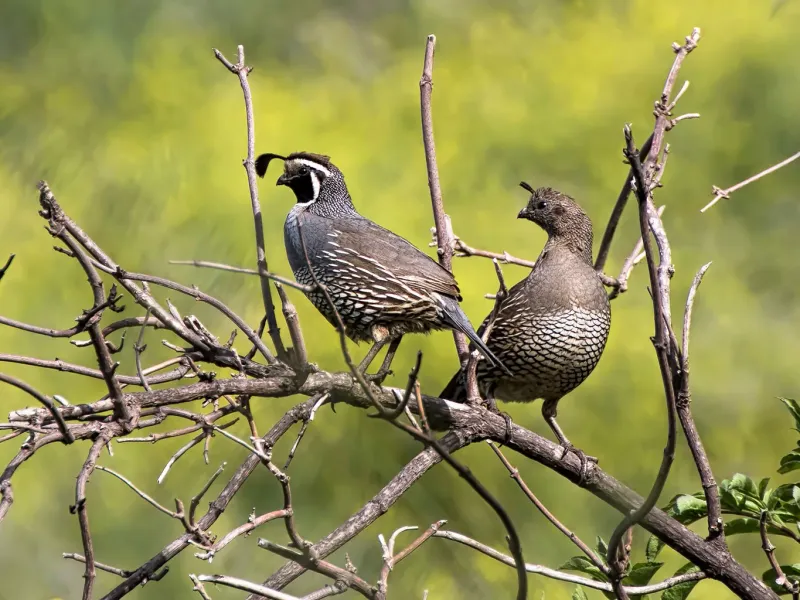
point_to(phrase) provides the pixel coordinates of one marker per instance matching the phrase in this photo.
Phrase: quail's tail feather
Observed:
(455, 390)
(458, 320)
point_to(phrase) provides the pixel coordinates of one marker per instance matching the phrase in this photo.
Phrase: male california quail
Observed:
(553, 325)
(382, 286)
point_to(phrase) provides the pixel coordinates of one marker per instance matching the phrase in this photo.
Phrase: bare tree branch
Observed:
(242, 71)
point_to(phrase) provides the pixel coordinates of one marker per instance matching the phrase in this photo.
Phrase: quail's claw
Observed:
(491, 406)
(378, 377)
(582, 456)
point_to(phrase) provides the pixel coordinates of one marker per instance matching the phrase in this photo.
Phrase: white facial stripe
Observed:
(314, 165)
(315, 184)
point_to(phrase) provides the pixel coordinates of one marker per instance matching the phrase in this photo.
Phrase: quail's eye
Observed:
(542, 204)
(303, 170)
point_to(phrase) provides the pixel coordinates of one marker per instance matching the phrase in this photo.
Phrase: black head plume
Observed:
(262, 162)
(527, 187)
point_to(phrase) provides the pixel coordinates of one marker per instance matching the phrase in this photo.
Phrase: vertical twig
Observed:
(445, 240)
(683, 404)
(793, 587)
(83, 517)
(242, 71)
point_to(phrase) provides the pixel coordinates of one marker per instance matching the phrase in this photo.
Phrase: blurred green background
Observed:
(140, 132)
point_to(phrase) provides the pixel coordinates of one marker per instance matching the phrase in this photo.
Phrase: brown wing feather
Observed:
(406, 262)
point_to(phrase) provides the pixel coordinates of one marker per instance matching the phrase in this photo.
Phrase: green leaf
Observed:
(583, 565)
(602, 548)
(762, 489)
(653, 548)
(642, 573)
(689, 508)
(743, 525)
(742, 483)
(791, 571)
(790, 462)
(794, 409)
(579, 594)
(682, 590)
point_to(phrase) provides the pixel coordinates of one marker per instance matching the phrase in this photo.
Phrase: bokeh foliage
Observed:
(140, 132)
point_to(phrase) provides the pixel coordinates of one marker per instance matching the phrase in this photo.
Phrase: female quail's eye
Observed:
(542, 204)
(303, 170)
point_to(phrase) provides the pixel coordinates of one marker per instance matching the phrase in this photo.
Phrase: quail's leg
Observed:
(549, 414)
(491, 405)
(371, 354)
(385, 368)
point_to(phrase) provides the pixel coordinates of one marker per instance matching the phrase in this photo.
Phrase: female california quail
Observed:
(381, 285)
(553, 325)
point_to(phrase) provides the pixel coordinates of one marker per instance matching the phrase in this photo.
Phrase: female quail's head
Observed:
(561, 217)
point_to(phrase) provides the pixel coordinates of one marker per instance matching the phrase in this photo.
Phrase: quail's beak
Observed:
(523, 214)
(282, 180)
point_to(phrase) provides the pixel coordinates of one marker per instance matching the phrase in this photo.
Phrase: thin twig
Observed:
(391, 559)
(634, 258)
(568, 577)
(242, 71)
(320, 400)
(719, 194)
(616, 213)
(445, 239)
(138, 348)
(683, 405)
(323, 567)
(244, 529)
(463, 250)
(199, 587)
(514, 472)
(102, 567)
(140, 493)
(793, 587)
(83, 517)
(199, 496)
(195, 293)
(31, 391)
(246, 586)
(222, 267)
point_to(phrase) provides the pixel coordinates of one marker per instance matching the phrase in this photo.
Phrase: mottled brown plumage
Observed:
(552, 328)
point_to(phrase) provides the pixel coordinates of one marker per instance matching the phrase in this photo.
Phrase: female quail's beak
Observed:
(523, 214)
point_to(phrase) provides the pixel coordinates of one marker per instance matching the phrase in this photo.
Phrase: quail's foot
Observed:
(378, 377)
(491, 406)
(582, 456)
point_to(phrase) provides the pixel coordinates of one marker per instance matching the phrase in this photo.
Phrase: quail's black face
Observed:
(553, 211)
(303, 172)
